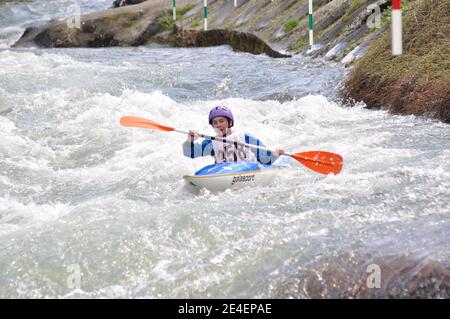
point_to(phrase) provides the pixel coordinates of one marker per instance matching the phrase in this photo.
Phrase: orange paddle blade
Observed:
(141, 122)
(320, 161)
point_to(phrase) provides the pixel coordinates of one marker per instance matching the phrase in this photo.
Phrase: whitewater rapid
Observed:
(78, 190)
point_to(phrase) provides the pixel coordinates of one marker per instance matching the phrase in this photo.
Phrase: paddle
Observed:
(319, 161)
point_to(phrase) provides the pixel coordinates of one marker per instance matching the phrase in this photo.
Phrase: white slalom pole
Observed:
(174, 6)
(235, 3)
(397, 41)
(310, 16)
(205, 14)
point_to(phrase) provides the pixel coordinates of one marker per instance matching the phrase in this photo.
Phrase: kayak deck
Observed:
(217, 177)
(230, 168)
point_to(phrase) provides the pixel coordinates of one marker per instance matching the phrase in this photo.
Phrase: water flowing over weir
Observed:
(78, 189)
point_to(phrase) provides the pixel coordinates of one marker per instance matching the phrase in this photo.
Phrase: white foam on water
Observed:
(78, 188)
(9, 36)
(93, 164)
(19, 216)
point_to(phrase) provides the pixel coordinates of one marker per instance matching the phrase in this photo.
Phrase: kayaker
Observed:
(222, 120)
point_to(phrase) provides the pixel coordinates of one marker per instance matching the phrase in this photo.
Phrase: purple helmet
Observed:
(221, 111)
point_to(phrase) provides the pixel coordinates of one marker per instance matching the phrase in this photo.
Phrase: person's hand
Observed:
(192, 135)
(279, 151)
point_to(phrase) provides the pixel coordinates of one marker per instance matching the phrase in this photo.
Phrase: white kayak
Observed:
(218, 177)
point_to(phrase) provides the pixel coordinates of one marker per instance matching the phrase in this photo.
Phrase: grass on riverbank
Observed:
(166, 21)
(417, 82)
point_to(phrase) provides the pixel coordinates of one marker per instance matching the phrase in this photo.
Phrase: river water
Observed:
(82, 197)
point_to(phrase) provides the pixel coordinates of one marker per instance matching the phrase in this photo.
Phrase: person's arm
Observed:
(192, 149)
(262, 156)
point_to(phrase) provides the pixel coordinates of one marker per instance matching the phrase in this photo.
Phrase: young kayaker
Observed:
(221, 119)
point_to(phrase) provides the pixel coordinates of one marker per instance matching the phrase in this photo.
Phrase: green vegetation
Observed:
(355, 4)
(421, 73)
(290, 24)
(166, 22)
(182, 11)
(426, 46)
(301, 43)
(386, 15)
(345, 18)
(325, 30)
(195, 23)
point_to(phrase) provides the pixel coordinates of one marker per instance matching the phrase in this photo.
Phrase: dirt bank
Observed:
(417, 82)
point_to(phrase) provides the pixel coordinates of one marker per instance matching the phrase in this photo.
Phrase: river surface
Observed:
(90, 209)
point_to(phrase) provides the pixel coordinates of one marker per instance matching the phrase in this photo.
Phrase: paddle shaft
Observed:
(213, 138)
(319, 161)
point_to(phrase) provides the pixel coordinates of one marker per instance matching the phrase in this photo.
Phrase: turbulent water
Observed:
(78, 192)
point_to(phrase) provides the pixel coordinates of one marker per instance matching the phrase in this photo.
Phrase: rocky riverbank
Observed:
(344, 31)
(417, 82)
(340, 30)
(125, 26)
(389, 267)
